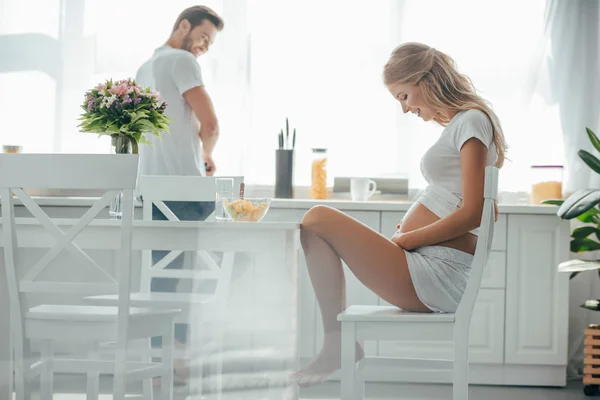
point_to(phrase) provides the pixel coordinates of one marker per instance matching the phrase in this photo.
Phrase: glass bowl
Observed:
(246, 210)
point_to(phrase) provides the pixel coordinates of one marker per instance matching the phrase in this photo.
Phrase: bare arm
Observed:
(473, 156)
(202, 105)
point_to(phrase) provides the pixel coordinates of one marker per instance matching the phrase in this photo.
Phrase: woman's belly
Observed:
(419, 216)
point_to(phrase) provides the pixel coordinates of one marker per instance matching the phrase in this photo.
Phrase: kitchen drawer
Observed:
(486, 339)
(494, 275)
(499, 242)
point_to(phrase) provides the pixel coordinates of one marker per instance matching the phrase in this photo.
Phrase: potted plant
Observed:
(125, 111)
(583, 205)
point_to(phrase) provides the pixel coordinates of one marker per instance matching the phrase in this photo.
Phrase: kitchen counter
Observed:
(341, 204)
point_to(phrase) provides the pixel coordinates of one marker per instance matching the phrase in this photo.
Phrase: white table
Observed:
(273, 297)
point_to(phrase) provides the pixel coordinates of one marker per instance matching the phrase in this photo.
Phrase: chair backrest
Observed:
(109, 173)
(156, 190)
(482, 250)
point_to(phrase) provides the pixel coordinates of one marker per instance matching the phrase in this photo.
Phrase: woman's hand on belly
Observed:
(419, 216)
(404, 240)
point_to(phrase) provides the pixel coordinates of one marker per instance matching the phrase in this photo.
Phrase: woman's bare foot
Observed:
(325, 363)
(181, 370)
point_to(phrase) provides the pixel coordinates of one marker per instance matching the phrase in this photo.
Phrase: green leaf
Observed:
(593, 138)
(591, 305)
(589, 215)
(583, 232)
(113, 129)
(590, 160)
(553, 202)
(573, 275)
(144, 124)
(578, 266)
(585, 244)
(578, 203)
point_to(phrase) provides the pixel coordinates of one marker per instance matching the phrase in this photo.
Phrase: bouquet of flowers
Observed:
(124, 109)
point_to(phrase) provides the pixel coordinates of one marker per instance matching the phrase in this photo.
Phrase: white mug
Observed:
(362, 188)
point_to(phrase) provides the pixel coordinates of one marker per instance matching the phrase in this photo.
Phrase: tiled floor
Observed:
(330, 391)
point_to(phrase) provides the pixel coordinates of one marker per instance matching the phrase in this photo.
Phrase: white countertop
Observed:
(189, 225)
(305, 204)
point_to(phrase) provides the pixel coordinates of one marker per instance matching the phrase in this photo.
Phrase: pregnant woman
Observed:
(425, 265)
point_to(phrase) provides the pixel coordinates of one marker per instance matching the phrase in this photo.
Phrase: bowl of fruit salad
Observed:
(246, 210)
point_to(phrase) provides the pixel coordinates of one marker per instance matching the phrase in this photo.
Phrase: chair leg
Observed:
(166, 382)
(93, 377)
(196, 342)
(359, 389)
(147, 387)
(217, 366)
(11, 370)
(460, 384)
(348, 372)
(22, 361)
(47, 377)
(119, 384)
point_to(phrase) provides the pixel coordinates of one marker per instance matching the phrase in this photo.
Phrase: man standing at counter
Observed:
(173, 70)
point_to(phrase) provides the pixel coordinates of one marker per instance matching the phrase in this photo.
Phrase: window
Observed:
(319, 63)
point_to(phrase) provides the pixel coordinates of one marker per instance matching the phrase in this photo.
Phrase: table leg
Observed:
(5, 341)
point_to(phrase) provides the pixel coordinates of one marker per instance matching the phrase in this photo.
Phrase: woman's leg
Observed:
(330, 236)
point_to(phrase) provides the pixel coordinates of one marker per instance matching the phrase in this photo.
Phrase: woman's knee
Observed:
(315, 217)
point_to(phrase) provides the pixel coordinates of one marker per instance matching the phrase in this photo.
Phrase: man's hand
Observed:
(210, 164)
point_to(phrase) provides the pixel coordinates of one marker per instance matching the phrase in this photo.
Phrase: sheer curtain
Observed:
(318, 63)
(566, 72)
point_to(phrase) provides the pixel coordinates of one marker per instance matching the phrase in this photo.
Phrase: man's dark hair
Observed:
(196, 14)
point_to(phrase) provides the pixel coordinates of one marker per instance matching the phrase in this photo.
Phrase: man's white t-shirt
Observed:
(172, 72)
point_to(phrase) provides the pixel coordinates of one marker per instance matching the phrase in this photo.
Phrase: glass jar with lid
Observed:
(12, 149)
(546, 183)
(318, 186)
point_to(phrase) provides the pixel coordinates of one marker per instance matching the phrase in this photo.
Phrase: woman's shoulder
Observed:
(470, 123)
(472, 120)
(473, 116)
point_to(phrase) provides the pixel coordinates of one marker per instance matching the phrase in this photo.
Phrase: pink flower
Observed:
(155, 94)
(100, 87)
(119, 90)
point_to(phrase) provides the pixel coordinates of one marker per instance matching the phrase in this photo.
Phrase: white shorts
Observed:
(439, 275)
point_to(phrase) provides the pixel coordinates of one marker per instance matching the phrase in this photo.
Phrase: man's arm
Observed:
(202, 105)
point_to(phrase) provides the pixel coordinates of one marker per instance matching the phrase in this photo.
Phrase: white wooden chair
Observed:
(361, 323)
(52, 323)
(200, 310)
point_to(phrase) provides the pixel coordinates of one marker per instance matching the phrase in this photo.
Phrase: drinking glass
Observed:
(224, 188)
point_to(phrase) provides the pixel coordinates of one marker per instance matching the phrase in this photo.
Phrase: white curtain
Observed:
(567, 78)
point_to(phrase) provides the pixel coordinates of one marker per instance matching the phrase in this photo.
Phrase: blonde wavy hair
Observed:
(442, 86)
